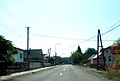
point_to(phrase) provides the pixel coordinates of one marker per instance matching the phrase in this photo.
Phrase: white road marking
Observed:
(64, 69)
(61, 74)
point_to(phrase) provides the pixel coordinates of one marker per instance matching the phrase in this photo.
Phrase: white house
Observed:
(19, 57)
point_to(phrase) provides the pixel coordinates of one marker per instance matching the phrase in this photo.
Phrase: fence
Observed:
(18, 67)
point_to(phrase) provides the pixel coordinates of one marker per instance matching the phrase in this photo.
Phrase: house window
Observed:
(106, 50)
(109, 58)
(21, 55)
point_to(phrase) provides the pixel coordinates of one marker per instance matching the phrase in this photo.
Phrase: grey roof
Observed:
(34, 53)
(92, 57)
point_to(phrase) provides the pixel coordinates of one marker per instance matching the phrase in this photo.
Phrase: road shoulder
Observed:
(3, 78)
(95, 72)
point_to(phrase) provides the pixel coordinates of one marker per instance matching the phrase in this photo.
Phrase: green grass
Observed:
(108, 75)
(84, 67)
(112, 77)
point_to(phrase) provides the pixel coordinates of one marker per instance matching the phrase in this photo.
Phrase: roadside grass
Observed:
(112, 77)
(84, 66)
(109, 76)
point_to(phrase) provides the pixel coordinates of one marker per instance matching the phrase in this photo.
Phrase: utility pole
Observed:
(56, 53)
(99, 45)
(28, 45)
(27, 38)
(49, 51)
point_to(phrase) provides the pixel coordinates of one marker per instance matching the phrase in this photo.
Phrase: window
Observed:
(109, 58)
(21, 55)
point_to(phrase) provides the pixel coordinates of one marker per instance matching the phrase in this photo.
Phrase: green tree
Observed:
(58, 59)
(79, 50)
(76, 57)
(90, 51)
(6, 51)
(117, 47)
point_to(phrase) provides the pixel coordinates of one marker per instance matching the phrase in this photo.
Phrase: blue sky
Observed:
(75, 19)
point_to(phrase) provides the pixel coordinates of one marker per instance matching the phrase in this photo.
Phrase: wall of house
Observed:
(94, 61)
(108, 56)
(19, 56)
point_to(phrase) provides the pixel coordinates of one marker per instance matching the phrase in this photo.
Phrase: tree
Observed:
(79, 50)
(76, 57)
(66, 60)
(6, 51)
(117, 47)
(90, 51)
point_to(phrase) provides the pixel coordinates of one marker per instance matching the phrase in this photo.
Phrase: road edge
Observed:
(3, 78)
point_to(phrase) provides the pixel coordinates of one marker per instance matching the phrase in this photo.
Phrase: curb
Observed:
(2, 78)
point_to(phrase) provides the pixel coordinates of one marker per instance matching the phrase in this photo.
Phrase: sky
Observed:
(60, 24)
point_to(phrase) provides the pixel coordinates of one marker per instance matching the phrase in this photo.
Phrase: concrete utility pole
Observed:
(99, 44)
(27, 42)
(49, 51)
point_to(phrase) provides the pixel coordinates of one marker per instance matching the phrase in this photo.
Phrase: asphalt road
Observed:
(61, 73)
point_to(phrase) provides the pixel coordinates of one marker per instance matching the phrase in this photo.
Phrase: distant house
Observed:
(33, 54)
(19, 57)
(93, 59)
(90, 59)
(86, 56)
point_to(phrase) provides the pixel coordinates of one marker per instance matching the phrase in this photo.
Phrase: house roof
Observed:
(19, 49)
(112, 49)
(34, 53)
(92, 57)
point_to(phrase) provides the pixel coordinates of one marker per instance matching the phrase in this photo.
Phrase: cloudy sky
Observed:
(63, 24)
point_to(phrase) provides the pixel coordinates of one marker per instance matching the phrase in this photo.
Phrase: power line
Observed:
(96, 35)
(10, 14)
(110, 30)
(15, 33)
(47, 36)
(55, 37)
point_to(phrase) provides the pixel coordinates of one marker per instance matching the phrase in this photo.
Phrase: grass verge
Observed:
(107, 75)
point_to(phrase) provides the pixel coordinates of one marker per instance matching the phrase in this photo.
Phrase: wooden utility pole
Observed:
(99, 49)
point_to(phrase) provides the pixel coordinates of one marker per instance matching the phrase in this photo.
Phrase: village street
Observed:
(60, 73)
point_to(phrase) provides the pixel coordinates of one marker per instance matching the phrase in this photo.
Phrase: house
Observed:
(19, 57)
(86, 56)
(90, 59)
(93, 59)
(33, 54)
(110, 54)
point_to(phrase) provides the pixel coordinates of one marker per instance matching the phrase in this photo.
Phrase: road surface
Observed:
(61, 73)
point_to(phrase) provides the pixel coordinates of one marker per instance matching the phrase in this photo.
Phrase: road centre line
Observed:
(61, 74)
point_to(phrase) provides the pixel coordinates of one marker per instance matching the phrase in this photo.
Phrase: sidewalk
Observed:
(2, 78)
